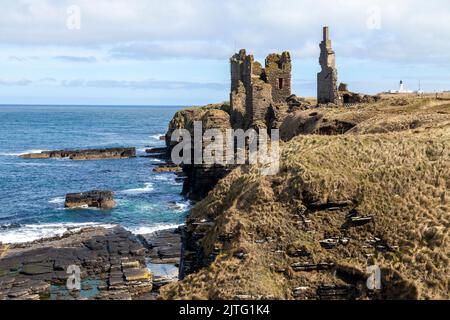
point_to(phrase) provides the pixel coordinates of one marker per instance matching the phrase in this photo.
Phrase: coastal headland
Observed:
(358, 210)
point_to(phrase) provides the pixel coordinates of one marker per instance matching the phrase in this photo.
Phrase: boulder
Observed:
(137, 274)
(88, 154)
(91, 199)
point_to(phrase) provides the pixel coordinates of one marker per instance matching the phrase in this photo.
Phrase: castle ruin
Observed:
(261, 96)
(327, 90)
(255, 90)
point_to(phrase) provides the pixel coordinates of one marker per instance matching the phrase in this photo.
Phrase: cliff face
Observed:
(340, 203)
(200, 178)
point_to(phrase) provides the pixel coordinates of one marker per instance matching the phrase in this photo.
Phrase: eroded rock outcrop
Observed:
(91, 199)
(88, 154)
(200, 178)
(348, 97)
(112, 264)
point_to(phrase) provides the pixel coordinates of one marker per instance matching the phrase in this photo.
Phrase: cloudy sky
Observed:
(176, 52)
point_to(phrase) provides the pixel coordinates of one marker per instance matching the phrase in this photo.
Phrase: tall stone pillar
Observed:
(327, 91)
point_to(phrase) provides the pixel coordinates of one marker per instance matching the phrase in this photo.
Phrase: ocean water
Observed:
(32, 191)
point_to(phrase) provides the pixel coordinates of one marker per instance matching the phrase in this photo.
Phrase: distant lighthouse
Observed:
(401, 89)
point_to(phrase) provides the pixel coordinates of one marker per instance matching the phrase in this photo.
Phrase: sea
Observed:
(32, 192)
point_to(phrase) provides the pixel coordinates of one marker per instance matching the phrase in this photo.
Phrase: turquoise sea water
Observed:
(32, 191)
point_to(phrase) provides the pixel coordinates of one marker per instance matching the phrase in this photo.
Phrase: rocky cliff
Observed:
(200, 178)
(369, 190)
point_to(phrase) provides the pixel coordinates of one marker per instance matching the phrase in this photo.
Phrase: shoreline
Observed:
(21, 233)
(114, 264)
(116, 261)
(79, 227)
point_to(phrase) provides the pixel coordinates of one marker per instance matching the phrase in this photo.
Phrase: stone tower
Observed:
(255, 89)
(327, 91)
(278, 75)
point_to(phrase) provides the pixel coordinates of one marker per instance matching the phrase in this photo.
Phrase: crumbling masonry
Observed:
(255, 90)
(327, 91)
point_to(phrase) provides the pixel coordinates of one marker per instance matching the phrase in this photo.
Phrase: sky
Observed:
(176, 52)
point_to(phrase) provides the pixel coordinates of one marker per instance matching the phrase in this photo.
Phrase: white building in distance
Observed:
(401, 89)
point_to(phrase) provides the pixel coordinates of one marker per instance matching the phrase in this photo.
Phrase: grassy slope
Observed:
(402, 178)
(387, 115)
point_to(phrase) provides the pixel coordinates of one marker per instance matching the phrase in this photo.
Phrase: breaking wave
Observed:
(148, 187)
(31, 232)
(152, 228)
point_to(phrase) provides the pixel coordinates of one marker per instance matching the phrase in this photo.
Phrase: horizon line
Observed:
(91, 105)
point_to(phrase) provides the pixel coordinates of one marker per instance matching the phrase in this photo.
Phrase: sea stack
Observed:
(91, 199)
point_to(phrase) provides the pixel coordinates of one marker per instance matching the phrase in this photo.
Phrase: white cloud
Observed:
(143, 84)
(155, 50)
(121, 43)
(146, 84)
(15, 83)
(410, 30)
(76, 59)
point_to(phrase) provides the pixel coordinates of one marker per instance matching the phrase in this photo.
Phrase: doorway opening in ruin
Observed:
(346, 98)
(280, 83)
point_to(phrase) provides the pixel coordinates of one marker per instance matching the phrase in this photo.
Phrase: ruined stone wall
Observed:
(237, 103)
(254, 88)
(236, 69)
(259, 100)
(278, 75)
(327, 91)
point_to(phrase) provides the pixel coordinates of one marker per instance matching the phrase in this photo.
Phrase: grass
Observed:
(399, 175)
(388, 115)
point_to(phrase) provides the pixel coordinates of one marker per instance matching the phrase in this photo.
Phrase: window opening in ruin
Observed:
(280, 83)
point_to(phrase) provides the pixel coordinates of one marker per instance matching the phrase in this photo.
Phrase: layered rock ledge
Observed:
(88, 154)
(164, 246)
(112, 264)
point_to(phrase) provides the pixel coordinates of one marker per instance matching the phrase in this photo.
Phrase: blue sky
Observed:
(176, 52)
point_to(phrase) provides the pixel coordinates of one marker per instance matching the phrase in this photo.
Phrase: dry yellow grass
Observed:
(400, 178)
(387, 115)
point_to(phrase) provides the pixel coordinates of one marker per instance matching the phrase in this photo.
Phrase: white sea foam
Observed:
(32, 232)
(157, 136)
(148, 187)
(57, 200)
(163, 177)
(167, 178)
(16, 154)
(182, 206)
(152, 228)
